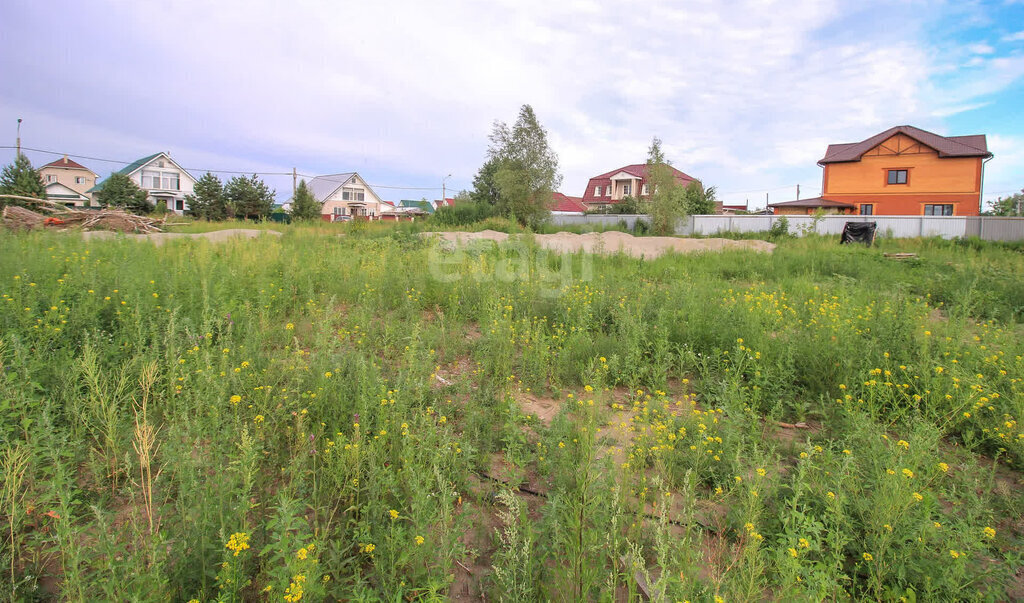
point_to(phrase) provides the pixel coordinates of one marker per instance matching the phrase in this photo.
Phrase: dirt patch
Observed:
(613, 242)
(470, 573)
(159, 238)
(545, 409)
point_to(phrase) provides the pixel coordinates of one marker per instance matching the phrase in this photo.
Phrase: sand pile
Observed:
(613, 242)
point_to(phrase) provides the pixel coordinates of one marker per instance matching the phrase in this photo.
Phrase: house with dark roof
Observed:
(68, 181)
(628, 181)
(166, 183)
(345, 197)
(903, 171)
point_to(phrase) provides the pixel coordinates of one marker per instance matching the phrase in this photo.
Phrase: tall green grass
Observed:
(363, 417)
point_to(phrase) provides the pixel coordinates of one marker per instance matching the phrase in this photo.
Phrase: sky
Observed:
(745, 96)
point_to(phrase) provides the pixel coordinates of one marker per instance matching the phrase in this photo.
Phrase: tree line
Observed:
(243, 197)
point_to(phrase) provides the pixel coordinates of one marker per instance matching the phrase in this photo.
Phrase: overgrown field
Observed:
(373, 417)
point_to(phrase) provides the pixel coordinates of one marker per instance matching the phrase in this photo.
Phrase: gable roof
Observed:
(56, 190)
(323, 187)
(136, 165)
(132, 167)
(640, 171)
(562, 202)
(812, 202)
(70, 164)
(426, 206)
(947, 146)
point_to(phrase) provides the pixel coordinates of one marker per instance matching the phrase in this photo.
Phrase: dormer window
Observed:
(643, 190)
(597, 191)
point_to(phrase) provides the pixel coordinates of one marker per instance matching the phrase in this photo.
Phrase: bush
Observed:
(779, 229)
(463, 214)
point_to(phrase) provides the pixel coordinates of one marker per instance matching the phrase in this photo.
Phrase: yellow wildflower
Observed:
(237, 542)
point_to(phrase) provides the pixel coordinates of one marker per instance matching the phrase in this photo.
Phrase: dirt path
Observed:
(614, 241)
(160, 238)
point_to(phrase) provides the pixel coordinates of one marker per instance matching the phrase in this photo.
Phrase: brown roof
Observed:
(812, 202)
(64, 162)
(947, 146)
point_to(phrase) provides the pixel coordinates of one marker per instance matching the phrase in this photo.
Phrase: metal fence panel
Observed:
(990, 228)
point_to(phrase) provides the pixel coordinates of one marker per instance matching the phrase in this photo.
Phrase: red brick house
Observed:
(629, 181)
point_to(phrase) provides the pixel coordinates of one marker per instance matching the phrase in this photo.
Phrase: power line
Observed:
(242, 172)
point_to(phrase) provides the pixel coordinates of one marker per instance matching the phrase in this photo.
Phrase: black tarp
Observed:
(859, 232)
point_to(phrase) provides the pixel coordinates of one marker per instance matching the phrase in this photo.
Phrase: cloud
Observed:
(1003, 172)
(1014, 37)
(954, 110)
(980, 48)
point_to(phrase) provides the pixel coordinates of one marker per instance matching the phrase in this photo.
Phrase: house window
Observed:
(945, 209)
(608, 191)
(339, 211)
(353, 194)
(50, 178)
(643, 189)
(179, 205)
(627, 189)
(597, 191)
(79, 179)
(166, 181)
(897, 177)
(867, 209)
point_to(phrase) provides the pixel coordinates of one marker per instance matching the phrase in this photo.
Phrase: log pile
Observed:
(55, 215)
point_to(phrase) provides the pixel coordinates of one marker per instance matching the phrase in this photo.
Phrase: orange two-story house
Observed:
(906, 171)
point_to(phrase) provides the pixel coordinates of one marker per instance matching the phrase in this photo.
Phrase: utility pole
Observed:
(19, 139)
(443, 189)
(295, 176)
(798, 192)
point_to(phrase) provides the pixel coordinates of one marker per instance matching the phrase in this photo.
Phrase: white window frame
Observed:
(79, 179)
(608, 191)
(627, 189)
(597, 191)
(353, 194)
(644, 189)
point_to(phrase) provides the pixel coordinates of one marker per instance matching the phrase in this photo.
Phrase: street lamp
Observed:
(19, 138)
(443, 189)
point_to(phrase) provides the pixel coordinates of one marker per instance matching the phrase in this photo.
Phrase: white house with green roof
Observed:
(166, 183)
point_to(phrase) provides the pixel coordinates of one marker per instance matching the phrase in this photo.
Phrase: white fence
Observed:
(986, 227)
(901, 227)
